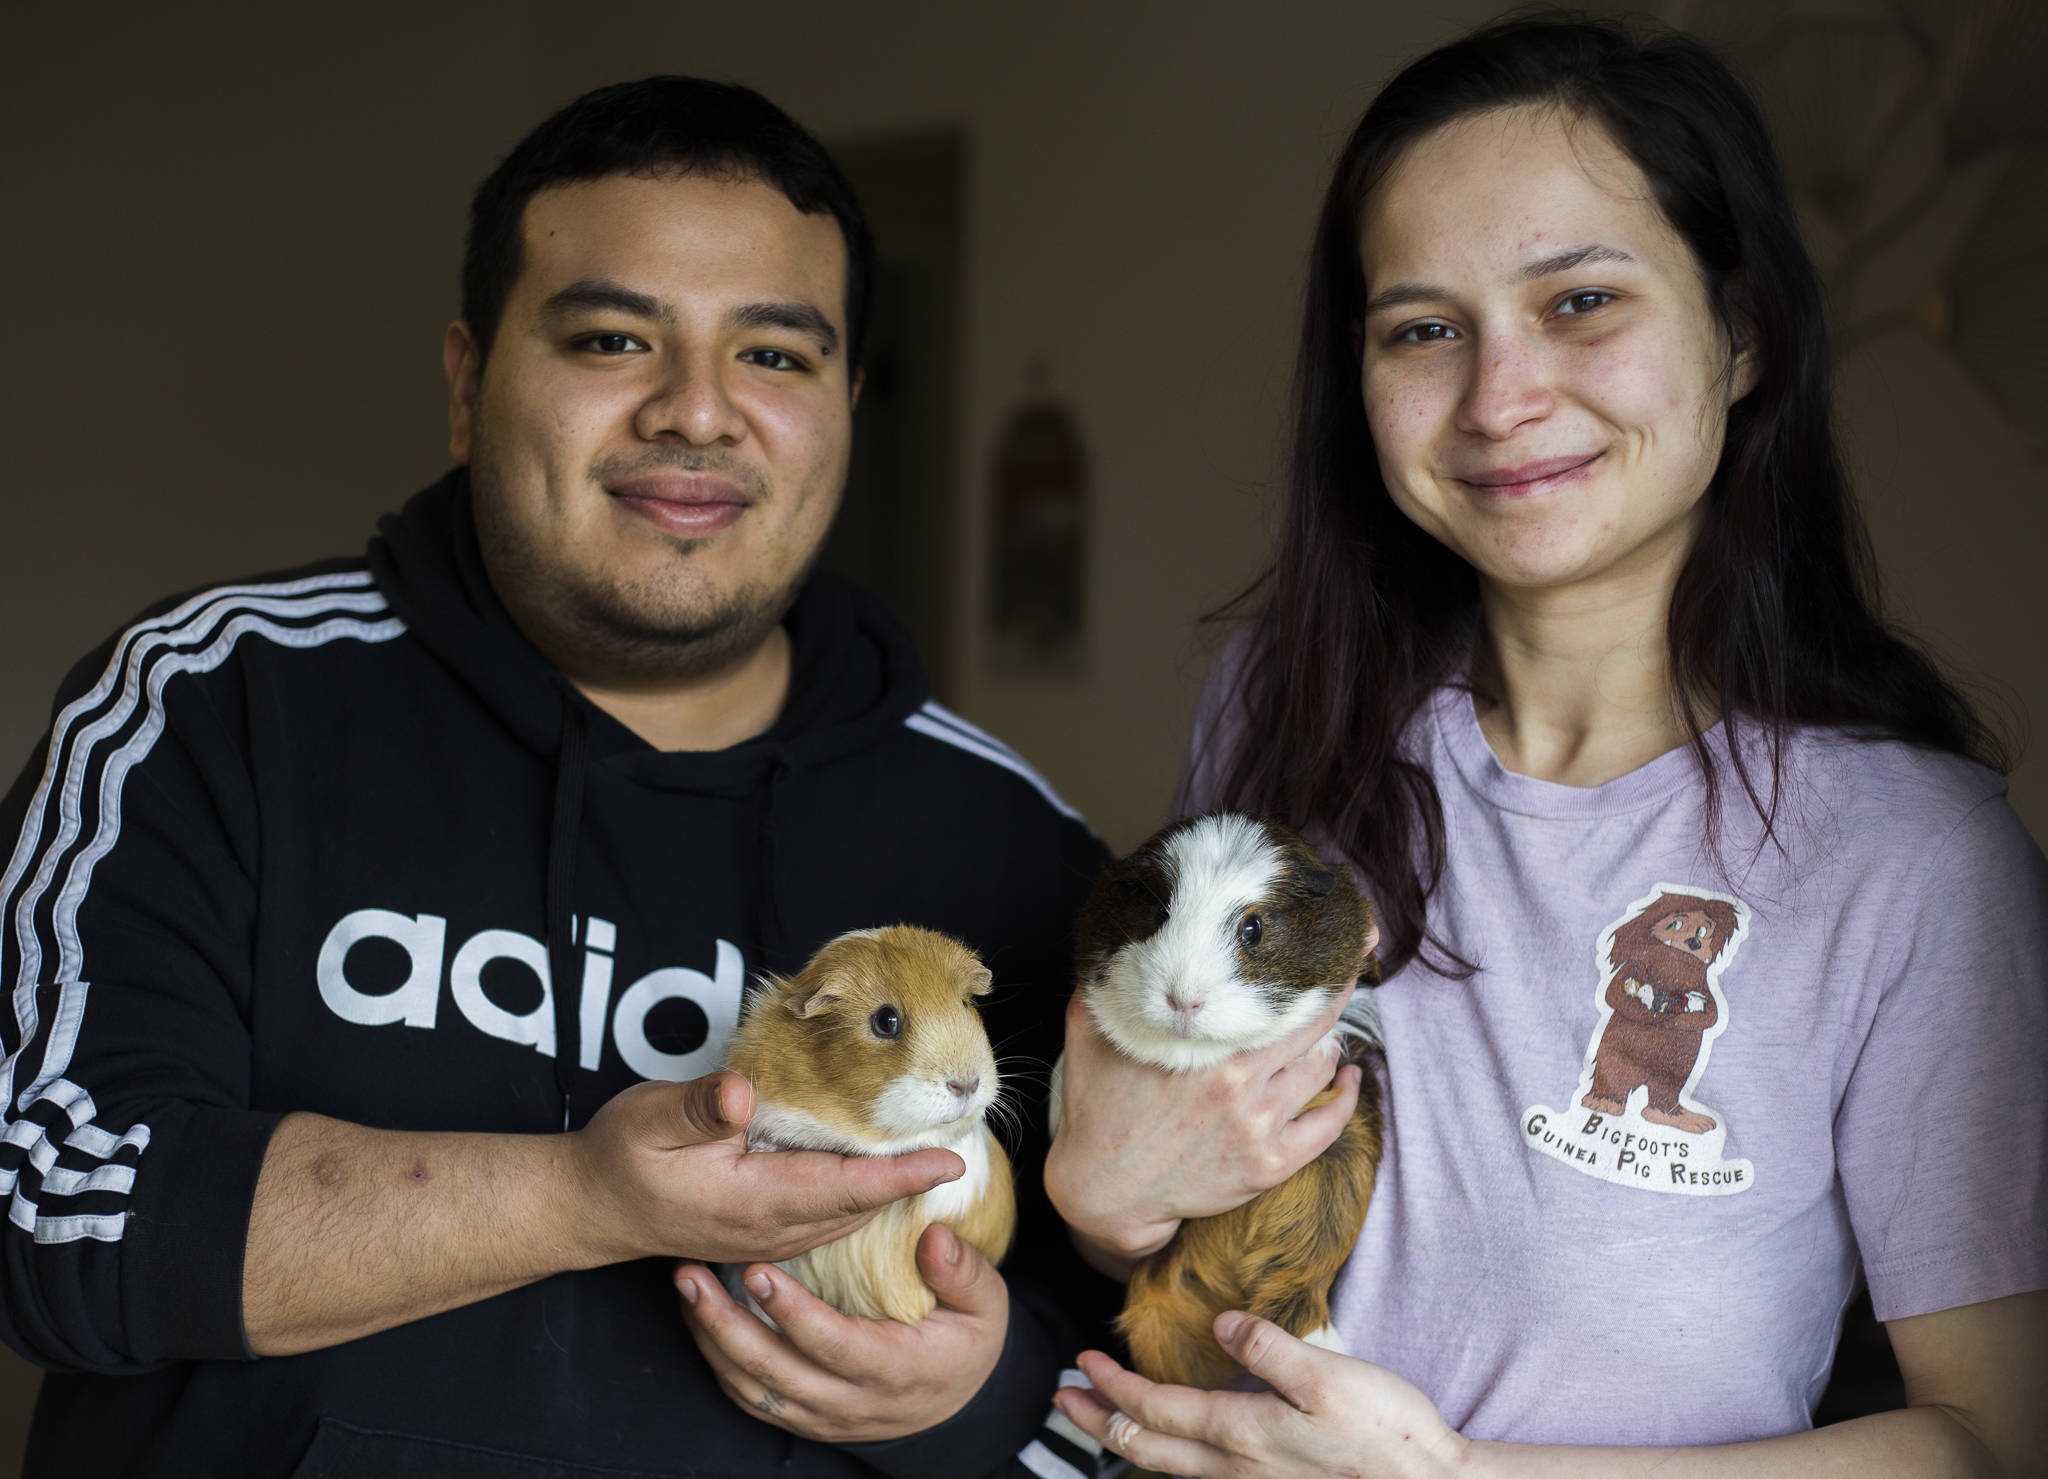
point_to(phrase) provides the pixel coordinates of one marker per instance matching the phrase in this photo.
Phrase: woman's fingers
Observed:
(1147, 1448)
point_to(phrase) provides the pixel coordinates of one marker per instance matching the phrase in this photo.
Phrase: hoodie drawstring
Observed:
(564, 833)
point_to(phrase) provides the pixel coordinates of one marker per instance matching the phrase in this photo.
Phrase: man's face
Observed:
(658, 439)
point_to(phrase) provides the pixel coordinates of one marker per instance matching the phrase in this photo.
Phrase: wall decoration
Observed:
(1916, 150)
(1038, 534)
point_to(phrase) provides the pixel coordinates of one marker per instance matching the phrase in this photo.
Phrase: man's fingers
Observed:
(817, 1195)
(829, 1339)
(732, 1337)
(714, 1107)
(959, 1275)
(835, 1187)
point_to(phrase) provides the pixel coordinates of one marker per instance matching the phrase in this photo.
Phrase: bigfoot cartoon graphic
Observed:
(1661, 1006)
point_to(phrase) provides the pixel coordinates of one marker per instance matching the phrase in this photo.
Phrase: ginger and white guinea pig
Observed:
(1220, 935)
(875, 1048)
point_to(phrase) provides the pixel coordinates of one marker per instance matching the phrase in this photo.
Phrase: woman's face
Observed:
(1546, 383)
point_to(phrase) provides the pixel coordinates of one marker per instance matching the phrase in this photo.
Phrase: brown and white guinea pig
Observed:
(875, 1048)
(1220, 935)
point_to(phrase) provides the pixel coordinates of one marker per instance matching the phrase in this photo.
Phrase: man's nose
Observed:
(693, 402)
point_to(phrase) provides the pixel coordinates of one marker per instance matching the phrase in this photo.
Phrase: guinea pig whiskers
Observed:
(1005, 1118)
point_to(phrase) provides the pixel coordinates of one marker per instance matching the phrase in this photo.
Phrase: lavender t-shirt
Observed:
(1632, 1165)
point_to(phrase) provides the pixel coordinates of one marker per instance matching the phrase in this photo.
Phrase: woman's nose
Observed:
(1509, 386)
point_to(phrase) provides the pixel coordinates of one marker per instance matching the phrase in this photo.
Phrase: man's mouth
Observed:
(687, 505)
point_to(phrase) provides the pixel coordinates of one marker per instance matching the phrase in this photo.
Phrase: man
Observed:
(373, 932)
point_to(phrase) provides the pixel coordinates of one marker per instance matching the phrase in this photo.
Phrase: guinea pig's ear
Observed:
(807, 998)
(1318, 880)
(980, 982)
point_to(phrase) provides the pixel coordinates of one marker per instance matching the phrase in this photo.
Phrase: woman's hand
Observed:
(1140, 1148)
(1327, 1414)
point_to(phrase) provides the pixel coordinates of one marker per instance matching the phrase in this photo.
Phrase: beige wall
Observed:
(232, 240)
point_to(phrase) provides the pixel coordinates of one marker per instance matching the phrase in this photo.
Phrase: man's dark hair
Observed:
(659, 126)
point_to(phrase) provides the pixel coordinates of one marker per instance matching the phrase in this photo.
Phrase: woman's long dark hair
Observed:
(1775, 619)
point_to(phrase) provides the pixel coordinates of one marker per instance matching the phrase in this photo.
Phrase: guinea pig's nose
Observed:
(964, 1088)
(1174, 1003)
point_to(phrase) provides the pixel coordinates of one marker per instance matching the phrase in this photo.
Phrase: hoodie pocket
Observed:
(343, 1451)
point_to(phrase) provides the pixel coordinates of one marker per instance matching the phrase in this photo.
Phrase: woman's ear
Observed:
(1745, 363)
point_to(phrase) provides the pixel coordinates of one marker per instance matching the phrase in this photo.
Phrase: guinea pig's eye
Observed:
(1159, 919)
(1249, 932)
(886, 1022)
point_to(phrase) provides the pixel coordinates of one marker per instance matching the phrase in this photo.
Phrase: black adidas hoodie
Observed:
(342, 841)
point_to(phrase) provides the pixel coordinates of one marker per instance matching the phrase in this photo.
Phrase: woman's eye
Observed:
(1249, 932)
(886, 1022)
(1584, 302)
(1424, 334)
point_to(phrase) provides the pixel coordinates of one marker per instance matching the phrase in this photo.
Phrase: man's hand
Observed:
(665, 1173)
(837, 1379)
(1140, 1148)
(355, 1230)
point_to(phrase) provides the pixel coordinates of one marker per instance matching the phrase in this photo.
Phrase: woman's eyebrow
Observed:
(1571, 257)
(1406, 294)
(1403, 295)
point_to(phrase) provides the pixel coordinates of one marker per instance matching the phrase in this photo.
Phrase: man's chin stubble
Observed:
(608, 631)
(630, 634)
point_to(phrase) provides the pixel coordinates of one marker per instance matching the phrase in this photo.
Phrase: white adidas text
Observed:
(416, 1001)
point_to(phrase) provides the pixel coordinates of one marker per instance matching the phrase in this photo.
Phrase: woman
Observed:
(1717, 967)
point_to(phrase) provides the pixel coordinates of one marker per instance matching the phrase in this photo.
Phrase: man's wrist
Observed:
(577, 1226)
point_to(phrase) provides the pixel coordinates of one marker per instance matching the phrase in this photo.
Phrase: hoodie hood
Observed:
(854, 673)
(854, 677)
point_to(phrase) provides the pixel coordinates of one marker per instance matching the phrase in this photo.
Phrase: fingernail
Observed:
(762, 1285)
(689, 1288)
(1229, 1323)
(952, 1244)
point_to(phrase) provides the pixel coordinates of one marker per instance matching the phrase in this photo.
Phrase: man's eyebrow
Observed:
(799, 317)
(602, 295)
(1406, 294)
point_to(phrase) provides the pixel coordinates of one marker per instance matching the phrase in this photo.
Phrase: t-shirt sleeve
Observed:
(1941, 1137)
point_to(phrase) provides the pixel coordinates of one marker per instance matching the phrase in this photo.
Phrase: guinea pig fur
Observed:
(1220, 935)
(875, 1048)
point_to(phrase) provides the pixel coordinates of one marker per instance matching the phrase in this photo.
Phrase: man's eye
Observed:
(609, 343)
(1585, 302)
(772, 359)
